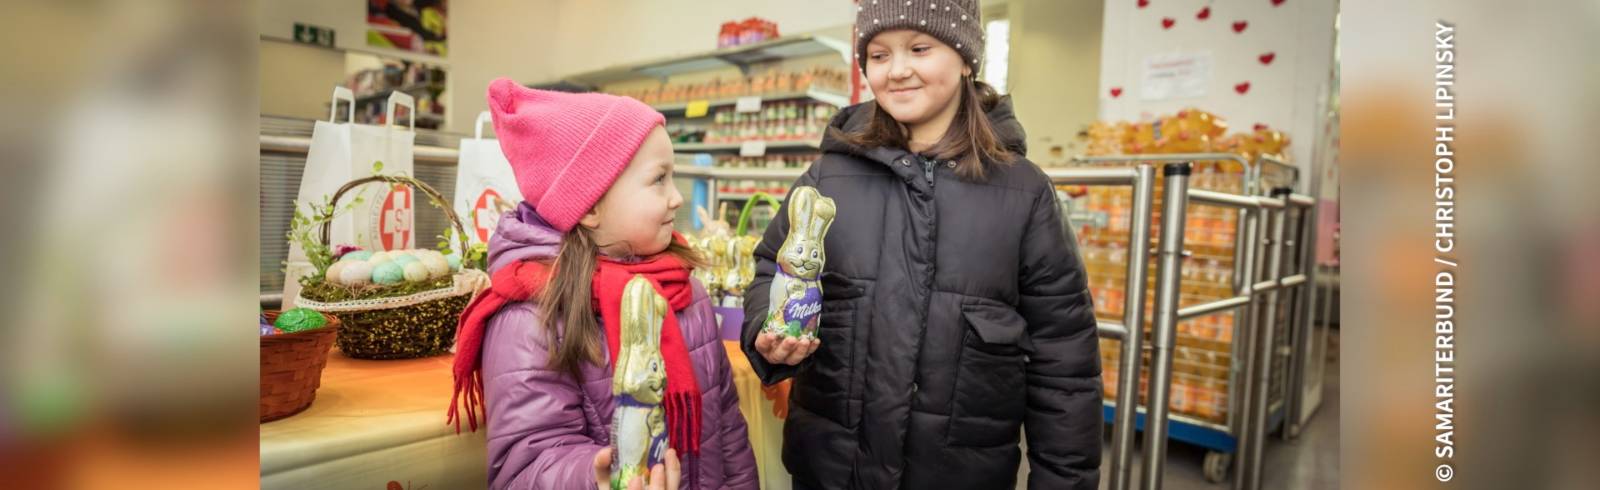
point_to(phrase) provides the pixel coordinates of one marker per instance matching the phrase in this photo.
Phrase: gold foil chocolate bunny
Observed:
(639, 429)
(796, 292)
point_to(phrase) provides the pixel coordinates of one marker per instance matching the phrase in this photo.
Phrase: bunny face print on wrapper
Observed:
(796, 292)
(639, 429)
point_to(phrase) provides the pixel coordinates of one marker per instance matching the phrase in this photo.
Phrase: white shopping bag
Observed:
(485, 186)
(342, 152)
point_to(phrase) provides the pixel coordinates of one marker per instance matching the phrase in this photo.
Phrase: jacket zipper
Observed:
(933, 229)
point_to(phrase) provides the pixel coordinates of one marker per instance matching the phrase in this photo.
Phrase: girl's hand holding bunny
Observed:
(665, 476)
(788, 351)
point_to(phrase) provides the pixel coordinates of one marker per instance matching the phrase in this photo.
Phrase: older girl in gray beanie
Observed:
(955, 310)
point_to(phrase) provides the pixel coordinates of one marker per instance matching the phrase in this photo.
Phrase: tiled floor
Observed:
(1309, 462)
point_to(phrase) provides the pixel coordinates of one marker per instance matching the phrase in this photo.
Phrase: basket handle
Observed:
(433, 198)
(744, 214)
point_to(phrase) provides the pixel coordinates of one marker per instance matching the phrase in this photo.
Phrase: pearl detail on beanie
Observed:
(931, 22)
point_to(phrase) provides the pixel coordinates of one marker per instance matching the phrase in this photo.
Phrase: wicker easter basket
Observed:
(291, 368)
(404, 321)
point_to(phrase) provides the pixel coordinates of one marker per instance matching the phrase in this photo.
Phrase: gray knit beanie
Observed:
(954, 22)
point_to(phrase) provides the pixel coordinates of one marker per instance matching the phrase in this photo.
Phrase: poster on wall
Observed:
(1176, 76)
(407, 25)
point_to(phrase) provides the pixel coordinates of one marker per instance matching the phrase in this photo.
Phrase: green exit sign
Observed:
(310, 34)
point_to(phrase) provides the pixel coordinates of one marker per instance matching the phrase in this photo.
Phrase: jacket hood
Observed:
(856, 117)
(522, 235)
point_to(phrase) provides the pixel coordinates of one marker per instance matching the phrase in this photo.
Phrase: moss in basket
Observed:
(330, 292)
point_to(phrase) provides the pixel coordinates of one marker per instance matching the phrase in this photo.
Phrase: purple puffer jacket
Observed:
(544, 428)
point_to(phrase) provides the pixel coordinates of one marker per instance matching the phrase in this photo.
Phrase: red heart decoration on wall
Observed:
(1242, 87)
(1260, 126)
(1144, 3)
(1277, 2)
(1266, 59)
(1116, 92)
(1240, 25)
(1204, 14)
(1167, 22)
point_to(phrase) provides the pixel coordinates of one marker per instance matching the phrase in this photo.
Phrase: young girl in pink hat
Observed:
(536, 351)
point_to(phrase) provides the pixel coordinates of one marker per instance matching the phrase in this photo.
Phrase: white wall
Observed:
(1285, 95)
(297, 80)
(1055, 62)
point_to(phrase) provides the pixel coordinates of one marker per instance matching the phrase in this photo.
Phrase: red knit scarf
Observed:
(522, 281)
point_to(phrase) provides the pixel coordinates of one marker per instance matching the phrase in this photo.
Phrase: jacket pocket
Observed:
(991, 386)
(823, 384)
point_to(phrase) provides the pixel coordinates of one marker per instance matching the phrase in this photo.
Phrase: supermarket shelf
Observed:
(837, 100)
(741, 57)
(734, 147)
(782, 174)
(384, 94)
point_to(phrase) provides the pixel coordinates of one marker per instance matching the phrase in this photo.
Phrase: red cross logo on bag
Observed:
(486, 213)
(394, 226)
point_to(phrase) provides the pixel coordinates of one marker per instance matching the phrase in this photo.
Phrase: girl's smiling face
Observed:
(914, 76)
(636, 215)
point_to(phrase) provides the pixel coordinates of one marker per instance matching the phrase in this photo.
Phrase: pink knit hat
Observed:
(566, 149)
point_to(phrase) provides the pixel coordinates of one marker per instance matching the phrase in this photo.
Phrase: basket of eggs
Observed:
(394, 304)
(294, 349)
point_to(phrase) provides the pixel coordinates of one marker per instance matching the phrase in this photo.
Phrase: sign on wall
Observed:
(310, 34)
(1176, 76)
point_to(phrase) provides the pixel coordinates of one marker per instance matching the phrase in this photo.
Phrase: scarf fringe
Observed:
(472, 387)
(684, 411)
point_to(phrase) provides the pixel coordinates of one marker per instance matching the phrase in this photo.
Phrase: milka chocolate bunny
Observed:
(796, 291)
(639, 429)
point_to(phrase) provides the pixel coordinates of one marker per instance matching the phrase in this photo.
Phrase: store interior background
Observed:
(1064, 58)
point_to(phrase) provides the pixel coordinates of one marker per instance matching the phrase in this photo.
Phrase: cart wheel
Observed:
(1216, 466)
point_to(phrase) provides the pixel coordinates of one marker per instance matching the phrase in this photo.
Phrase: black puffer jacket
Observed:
(953, 314)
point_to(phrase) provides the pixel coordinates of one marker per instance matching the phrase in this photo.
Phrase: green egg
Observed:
(299, 320)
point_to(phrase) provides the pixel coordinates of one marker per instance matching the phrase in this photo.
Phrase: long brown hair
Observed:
(569, 299)
(971, 140)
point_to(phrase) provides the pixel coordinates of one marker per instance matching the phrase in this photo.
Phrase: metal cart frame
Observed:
(1259, 252)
